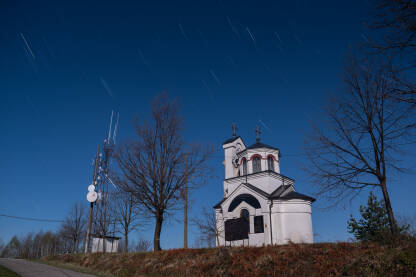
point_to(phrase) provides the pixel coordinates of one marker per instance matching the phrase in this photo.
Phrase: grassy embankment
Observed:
(321, 259)
(5, 272)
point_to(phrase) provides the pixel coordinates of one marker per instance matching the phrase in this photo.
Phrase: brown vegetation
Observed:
(322, 259)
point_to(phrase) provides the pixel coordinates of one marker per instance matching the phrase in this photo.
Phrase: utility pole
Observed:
(87, 239)
(185, 198)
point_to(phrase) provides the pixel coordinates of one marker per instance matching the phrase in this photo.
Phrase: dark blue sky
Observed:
(65, 66)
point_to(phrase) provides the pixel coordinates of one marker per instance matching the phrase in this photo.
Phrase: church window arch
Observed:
(249, 199)
(256, 164)
(244, 165)
(270, 163)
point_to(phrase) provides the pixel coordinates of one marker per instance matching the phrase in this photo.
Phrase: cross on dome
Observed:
(258, 132)
(234, 127)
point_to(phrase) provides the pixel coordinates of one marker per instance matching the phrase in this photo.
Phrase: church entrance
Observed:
(238, 228)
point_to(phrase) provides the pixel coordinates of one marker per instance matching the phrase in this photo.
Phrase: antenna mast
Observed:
(111, 123)
(115, 129)
(87, 243)
(102, 223)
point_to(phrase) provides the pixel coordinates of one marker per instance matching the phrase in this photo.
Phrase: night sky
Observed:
(65, 65)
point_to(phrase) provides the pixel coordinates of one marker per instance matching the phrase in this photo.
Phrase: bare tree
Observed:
(125, 213)
(33, 245)
(1, 245)
(153, 166)
(12, 249)
(208, 228)
(141, 246)
(363, 137)
(397, 18)
(73, 227)
(26, 245)
(409, 221)
(395, 35)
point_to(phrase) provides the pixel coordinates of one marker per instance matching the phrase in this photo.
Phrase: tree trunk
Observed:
(390, 214)
(126, 242)
(74, 245)
(158, 230)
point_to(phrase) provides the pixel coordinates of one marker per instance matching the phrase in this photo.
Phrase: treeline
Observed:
(69, 238)
(36, 245)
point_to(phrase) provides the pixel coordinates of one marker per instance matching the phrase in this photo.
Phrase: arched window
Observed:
(245, 214)
(256, 164)
(270, 163)
(244, 166)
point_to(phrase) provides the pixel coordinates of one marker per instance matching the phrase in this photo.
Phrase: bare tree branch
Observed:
(73, 228)
(209, 233)
(365, 128)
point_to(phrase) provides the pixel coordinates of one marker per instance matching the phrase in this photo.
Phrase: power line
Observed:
(31, 218)
(42, 219)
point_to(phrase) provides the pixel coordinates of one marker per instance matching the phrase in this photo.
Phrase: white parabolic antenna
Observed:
(91, 196)
(91, 188)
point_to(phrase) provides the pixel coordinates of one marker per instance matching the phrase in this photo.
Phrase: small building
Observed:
(107, 244)
(260, 205)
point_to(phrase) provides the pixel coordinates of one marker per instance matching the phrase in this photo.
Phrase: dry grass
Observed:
(322, 259)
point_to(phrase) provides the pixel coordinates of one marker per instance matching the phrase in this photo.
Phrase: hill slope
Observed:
(322, 259)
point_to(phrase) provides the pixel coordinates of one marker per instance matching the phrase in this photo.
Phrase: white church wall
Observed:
(228, 166)
(253, 240)
(277, 228)
(230, 151)
(220, 241)
(256, 239)
(268, 226)
(292, 221)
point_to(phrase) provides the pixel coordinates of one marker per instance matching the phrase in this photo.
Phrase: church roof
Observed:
(218, 205)
(279, 191)
(283, 192)
(277, 194)
(260, 145)
(297, 195)
(256, 189)
(231, 140)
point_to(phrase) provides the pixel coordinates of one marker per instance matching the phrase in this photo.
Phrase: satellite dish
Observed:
(91, 188)
(92, 196)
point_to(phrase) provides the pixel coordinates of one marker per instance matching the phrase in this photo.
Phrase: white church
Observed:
(260, 205)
